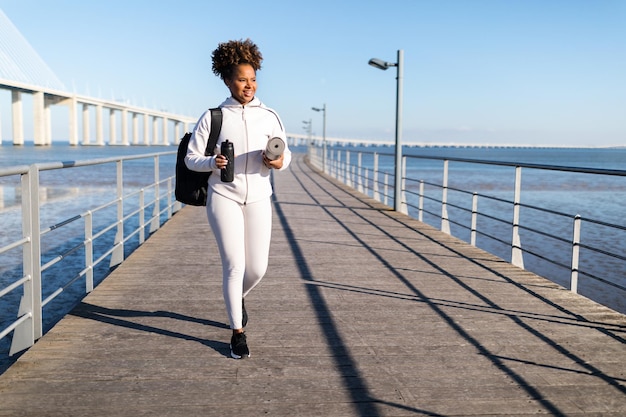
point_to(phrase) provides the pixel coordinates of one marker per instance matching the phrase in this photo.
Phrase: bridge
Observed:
(364, 312)
(22, 72)
(155, 129)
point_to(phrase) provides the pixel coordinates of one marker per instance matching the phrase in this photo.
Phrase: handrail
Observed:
(416, 191)
(127, 224)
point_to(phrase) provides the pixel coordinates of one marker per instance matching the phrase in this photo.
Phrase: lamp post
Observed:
(383, 65)
(323, 109)
(308, 126)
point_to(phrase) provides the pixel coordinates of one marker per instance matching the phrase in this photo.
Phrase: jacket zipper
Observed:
(245, 126)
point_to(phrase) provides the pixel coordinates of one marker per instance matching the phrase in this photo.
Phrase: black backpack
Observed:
(191, 186)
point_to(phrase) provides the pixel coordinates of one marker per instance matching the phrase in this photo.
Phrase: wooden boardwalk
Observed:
(363, 312)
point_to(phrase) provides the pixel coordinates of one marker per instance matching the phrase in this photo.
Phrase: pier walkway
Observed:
(363, 312)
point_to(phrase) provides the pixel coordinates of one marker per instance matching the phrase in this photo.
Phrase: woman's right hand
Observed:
(221, 161)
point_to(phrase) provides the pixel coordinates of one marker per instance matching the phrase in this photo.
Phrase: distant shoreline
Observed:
(346, 142)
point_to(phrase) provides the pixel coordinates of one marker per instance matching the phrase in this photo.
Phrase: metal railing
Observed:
(429, 200)
(138, 211)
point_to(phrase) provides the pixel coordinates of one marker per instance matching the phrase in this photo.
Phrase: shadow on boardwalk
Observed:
(363, 312)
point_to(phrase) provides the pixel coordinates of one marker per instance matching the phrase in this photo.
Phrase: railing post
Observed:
(142, 216)
(117, 256)
(403, 206)
(445, 224)
(332, 163)
(359, 180)
(154, 224)
(348, 175)
(420, 202)
(375, 173)
(338, 169)
(386, 189)
(89, 252)
(517, 257)
(474, 219)
(575, 254)
(28, 331)
(169, 198)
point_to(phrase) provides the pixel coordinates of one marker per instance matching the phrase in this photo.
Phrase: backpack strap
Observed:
(216, 127)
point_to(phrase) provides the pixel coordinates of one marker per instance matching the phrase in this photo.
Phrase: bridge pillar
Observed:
(47, 112)
(146, 129)
(155, 131)
(135, 128)
(73, 111)
(99, 126)
(86, 138)
(112, 128)
(39, 118)
(18, 117)
(125, 127)
(166, 140)
(176, 132)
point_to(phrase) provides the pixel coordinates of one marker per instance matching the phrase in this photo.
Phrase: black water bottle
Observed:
(228, 150)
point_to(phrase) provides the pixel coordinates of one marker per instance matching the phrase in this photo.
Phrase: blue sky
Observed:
(524, 72)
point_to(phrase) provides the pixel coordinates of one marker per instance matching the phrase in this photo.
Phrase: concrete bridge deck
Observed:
(363, 312)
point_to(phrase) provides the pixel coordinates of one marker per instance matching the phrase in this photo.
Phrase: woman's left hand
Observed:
(276, 163)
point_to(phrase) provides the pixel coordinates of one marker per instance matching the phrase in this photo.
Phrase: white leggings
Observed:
(243, 234)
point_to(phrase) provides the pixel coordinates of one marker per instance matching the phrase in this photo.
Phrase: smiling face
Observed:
(242, 84)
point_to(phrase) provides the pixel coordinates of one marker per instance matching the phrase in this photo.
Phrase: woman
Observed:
(240, 212)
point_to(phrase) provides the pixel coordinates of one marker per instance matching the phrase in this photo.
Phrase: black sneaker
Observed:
(244, 319)
(239, 347)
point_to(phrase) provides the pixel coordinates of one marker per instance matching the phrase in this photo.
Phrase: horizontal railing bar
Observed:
(104, 230)
(459, 224)
(489, 216)
(131, 234)
(603, 171)
(545, 210)
(14, 170)
(52, 296)
(612, 255)
(61, 224)
(497, 239)
(542, 233)
(458, 190)
(425, 182)
(607, 282)
(552, 261)
(13, 286)
(104, 255)
(449, 204)
(14, 244)
(63, 288)
(61, 256)
(16, 323)
(47, 166)
(601, 223)
(493, 198)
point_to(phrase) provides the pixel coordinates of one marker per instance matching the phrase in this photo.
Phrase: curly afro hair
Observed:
(232, 53)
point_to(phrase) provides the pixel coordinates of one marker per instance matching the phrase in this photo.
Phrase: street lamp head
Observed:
(380, 64)
(316, 109)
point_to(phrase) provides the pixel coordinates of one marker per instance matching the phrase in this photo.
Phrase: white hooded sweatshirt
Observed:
(248, 127)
